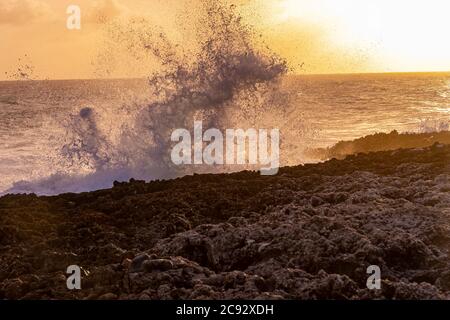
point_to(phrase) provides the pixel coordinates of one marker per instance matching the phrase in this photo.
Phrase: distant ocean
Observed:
(35, 117)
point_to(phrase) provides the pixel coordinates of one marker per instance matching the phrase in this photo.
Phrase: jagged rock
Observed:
(157, 265)
(316, 201)
(108, 296)
(137, 264)
(13, 289)
(308, 233)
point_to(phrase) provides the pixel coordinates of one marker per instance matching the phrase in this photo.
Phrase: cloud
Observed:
(19, 12)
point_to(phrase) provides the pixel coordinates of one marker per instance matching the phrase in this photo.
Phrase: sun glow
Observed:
(410, 35)
(314, 36)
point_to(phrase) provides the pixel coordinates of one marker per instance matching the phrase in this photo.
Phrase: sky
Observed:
(315, 36)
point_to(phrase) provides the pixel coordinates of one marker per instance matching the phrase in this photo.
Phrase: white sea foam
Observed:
(230, 81)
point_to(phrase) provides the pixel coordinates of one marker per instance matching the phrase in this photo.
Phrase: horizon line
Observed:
(289, 74)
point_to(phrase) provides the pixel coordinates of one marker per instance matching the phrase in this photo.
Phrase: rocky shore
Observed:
(308, 233)
(380, 142)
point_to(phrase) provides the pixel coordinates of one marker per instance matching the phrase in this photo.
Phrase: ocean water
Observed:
(40, 123)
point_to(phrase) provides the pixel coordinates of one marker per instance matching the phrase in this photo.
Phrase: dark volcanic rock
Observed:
(308, 233)
(380, 142)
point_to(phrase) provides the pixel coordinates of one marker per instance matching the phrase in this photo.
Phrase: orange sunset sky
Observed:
(315, 36)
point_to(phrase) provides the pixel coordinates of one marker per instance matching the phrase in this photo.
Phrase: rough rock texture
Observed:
(380, 142)
(308, 233)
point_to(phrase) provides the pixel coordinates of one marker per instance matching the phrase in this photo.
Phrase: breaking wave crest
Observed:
(230, 79)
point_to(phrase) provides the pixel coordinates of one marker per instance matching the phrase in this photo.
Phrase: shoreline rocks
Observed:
(308, 233)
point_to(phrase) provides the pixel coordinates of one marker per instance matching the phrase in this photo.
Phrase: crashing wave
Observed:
(230, 80)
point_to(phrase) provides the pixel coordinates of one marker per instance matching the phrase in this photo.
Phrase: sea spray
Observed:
(229, 81)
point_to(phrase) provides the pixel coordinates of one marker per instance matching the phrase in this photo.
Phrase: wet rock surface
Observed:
(308, 233)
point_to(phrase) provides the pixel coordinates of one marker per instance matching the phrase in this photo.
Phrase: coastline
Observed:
(309, 232)
(379, 142)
